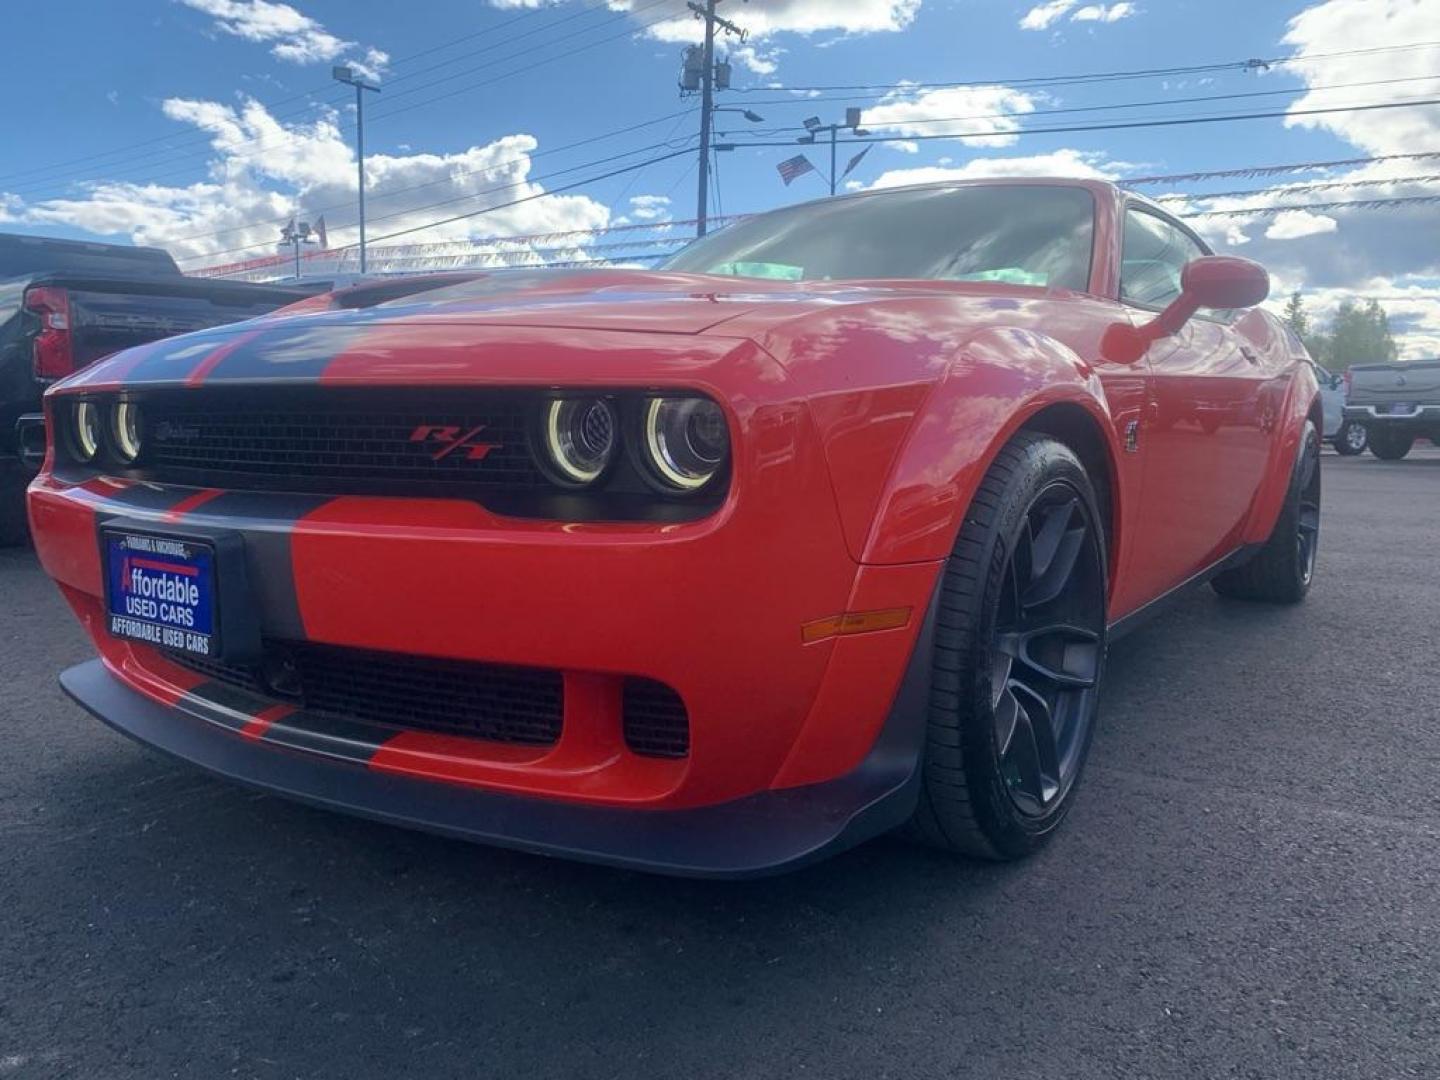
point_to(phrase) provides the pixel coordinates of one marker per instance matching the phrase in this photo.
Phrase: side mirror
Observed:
(1211, 281)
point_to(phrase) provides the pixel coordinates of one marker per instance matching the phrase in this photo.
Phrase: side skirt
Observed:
(1162, 603)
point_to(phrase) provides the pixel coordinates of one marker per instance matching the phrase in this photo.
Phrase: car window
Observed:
(1154, 255)
(1019, 234)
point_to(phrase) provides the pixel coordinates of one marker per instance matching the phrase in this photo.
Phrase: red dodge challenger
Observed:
(817, 532)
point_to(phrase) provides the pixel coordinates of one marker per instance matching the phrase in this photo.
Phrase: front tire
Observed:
(1390, 445)
(1018, 656)
(1351, 439)
(1282, 570)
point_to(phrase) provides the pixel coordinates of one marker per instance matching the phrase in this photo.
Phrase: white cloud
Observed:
(1293, 224)
(1041, 16)
(650, 207)
(292, 35)
(1344, 26)
(762, 19)
(1044, 16)
(307, 169)
(1103, 14)
(1068, 163)
(952, 111)
(1387, 253)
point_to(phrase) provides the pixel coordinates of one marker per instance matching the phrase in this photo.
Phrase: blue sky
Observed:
(198, 124)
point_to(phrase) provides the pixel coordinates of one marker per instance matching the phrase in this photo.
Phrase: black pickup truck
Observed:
(65, 304)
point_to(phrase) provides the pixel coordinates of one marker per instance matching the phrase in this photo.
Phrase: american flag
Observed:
(796, 167)
(854, 161)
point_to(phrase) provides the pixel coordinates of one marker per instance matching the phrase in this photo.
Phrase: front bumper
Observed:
(760, 834)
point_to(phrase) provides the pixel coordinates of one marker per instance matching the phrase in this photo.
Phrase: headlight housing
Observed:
(86, 430)
(686, 441)
(126, 431)
(579, 437)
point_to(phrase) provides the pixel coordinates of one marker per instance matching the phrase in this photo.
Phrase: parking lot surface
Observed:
(1249, 886)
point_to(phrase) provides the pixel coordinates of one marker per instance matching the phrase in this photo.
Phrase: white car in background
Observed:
(1346, 436)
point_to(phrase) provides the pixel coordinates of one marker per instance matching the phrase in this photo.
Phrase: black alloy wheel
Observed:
(1046, 650)
(1019, 649)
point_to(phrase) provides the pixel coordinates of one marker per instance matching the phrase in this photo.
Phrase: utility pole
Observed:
(814, 127)
(707, 87)
(347, 75)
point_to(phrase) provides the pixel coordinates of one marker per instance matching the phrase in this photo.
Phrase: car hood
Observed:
(623, 300)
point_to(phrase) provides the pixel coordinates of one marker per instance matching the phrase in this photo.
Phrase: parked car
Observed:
(819, 531)
(1396, 404)
(64, 304)
(1348, 437)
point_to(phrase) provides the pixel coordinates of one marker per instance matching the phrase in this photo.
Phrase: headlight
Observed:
(125, 428)
(686, 441)
(86, 430)
(580, 438)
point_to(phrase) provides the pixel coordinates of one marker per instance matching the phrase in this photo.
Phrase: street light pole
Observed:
(813, 127)
(833, 129)
(348, 76)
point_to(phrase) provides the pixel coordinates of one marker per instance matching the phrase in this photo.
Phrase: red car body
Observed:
(862, 415)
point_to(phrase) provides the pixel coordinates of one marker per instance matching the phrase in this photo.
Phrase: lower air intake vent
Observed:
(416, 693)
(656, 723)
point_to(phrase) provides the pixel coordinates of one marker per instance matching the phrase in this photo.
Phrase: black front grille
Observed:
(656, 723)
(340, 441)
(417, 693)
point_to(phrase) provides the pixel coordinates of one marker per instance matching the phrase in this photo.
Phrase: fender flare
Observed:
(1302, 402)
(1002, 379)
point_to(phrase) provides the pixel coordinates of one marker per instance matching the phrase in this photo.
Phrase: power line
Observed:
(1258, 171)
(1348, 204)
(260, 146)
(472, 213)
(1151, 103)
(451, 201)
(1105, 76)
(1169, 122)
(621, 17)
(270, 105)
(530, 198)
(450, 178)
(1288, 188)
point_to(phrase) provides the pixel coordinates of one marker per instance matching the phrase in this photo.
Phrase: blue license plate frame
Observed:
(163, 590)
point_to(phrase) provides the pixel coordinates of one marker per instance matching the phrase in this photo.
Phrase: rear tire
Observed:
(1283, 569)
(1351, 439)
(1019, 651)
(1390, 445)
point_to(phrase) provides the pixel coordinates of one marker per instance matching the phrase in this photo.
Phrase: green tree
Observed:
(1298, 320)
(1359, 334)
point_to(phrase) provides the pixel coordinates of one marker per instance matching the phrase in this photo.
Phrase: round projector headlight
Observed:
(125, 427)
(686, 440)
(580, 438)
(87, 430)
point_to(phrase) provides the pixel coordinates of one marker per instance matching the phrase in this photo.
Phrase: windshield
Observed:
(1024, 234)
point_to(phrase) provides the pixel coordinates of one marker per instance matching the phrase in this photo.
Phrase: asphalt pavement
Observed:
(1249, 886)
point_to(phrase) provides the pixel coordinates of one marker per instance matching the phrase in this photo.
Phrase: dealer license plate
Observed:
(161, 590)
